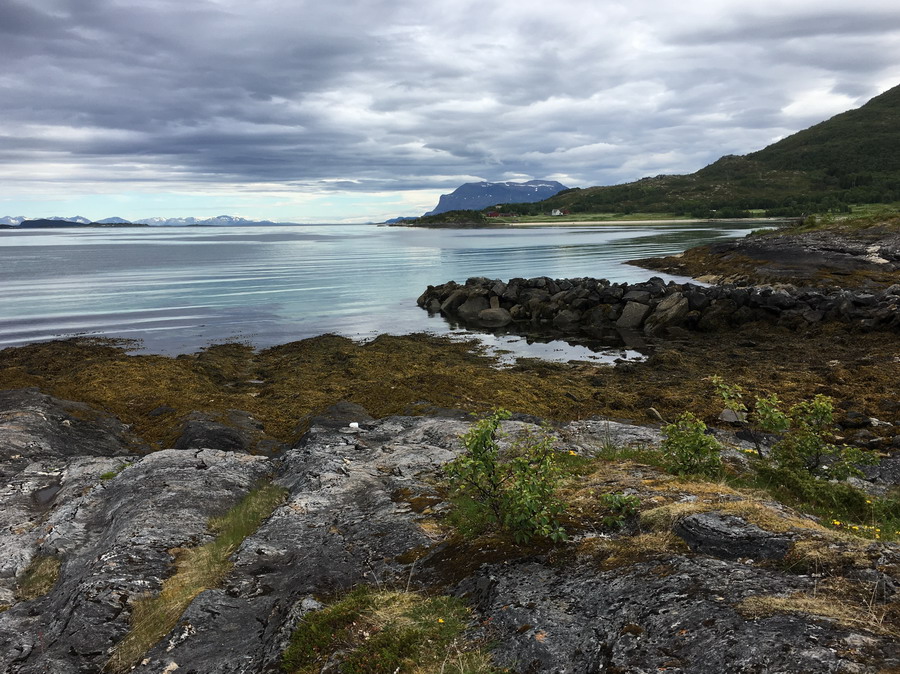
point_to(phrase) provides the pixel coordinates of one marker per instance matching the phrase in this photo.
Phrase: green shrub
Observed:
(688, 449)
(805, 430)
(622, 507)
(513, 489)
(806, 443)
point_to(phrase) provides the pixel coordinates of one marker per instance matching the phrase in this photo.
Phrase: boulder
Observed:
(468, 311)
(730, 537)
(494, 317)
(670, 312)
(452, 303)
(633, 316)
(567, 320)
(641, 296)
(717, 315)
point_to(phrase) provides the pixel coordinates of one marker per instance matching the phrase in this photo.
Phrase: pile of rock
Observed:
(592, 307)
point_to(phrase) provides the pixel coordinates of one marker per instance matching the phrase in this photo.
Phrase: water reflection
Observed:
(179, 289)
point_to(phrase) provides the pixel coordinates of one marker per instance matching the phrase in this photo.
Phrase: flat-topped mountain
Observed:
(475, 196)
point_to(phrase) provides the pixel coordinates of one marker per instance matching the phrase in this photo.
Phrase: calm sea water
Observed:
(179, 289)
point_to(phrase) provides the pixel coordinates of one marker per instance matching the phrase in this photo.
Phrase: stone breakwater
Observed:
(596, 308)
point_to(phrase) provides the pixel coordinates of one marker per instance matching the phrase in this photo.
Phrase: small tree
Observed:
(688, 449)
(515, 488)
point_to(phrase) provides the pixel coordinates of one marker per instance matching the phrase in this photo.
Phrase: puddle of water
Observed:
(509, 348)
(45, 495)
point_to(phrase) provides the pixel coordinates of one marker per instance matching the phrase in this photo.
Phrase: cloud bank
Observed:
(286, 109)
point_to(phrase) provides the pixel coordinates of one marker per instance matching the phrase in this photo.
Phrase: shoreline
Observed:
(124, 468)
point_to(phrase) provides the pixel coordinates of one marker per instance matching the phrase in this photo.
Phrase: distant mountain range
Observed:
(78, 221)
(476, 196)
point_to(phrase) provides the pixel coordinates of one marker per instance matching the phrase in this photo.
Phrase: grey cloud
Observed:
(396, 95)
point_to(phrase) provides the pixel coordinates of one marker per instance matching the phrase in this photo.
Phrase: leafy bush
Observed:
(806, 443)
(622, 507)
(805, 430)
(688, 449)
(513, 489)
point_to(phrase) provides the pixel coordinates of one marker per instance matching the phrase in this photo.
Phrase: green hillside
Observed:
(852, 158)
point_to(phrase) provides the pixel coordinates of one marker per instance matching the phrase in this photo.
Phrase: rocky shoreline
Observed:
(116, 468)
(682, 591)
(864, 255)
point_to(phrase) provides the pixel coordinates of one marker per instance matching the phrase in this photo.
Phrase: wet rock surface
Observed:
(598, 309)
(364, 501)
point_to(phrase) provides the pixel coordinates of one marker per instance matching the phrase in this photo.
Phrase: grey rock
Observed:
(567, 320)
(633, 316)
(468, 311)
(494, 317)
(730, 537)
(670, 312)
(349, 519)
(641, 296)
(453, 302)
(200, 433)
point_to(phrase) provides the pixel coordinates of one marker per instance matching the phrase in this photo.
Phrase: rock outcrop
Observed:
(865, 256)
(598, 309)
(364, 505)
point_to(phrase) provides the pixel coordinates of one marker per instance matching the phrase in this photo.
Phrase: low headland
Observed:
(292, 509)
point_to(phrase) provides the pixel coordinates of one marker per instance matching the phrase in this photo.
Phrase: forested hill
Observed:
(853, 157)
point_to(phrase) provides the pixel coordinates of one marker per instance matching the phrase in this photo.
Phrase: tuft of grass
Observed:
(110, 474)
(39, 578)
(374, 631)
(617, 553)
(196, 570)
(873, 616)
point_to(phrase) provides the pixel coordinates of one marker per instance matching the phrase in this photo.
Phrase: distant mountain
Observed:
(78, 219)
(218, 221)
(852, 158)
(476, 196)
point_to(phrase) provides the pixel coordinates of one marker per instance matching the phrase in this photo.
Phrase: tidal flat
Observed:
(413, 374)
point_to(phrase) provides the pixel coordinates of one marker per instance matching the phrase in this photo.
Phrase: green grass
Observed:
(197, 569)
(110, 474)
(39, 578)
(370, 631)
(588, 218)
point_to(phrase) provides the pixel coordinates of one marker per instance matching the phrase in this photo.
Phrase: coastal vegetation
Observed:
(512, 488)
(464, 218)
(39, 578)
(379, 630)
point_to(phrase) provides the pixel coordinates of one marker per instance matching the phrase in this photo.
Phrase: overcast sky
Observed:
(351, 110)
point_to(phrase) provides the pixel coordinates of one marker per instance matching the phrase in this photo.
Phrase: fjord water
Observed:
(179, 289)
